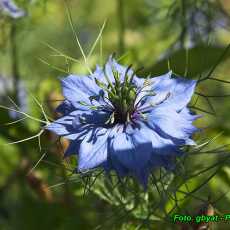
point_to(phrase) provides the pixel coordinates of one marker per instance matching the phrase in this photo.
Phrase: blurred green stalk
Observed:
(121, 26)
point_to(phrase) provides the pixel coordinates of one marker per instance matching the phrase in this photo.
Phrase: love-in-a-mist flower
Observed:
(124, 123)
(10, 8)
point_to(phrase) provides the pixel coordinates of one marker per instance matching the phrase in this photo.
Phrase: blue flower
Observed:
(11, 9)
(124, 123)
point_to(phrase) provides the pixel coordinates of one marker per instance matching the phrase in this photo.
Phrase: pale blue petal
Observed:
(169, 123)
(132, 151)
(93, 150)
(153, 85)
(138, 81)
(188, 115)
(160, 145)
(79, 89)
(170, 90)
(78, 123)
(62, 126)
(181, 93)
(113, 65)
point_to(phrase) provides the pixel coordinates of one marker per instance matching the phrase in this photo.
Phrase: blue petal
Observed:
(168, 123)
(79, 89)
(114, 164)
(168, 162)
(63, 126)
(78, 123)
(163, 153)
(181, 93)
(93, 150)
(132, 151)
(160, 145)
(170, 90)
(98, 73)
(95, 117)
(73, 148)
(112, 65)
(151, 84)
(65, 107)
(188, 115)
(138, 81)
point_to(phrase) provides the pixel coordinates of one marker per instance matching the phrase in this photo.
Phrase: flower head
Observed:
(10, 8)
(124, 123)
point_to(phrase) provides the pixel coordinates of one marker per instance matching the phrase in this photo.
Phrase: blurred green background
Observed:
(187, 36)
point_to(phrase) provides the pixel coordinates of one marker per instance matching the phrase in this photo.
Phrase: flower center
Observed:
(123, 102)
(122, 96)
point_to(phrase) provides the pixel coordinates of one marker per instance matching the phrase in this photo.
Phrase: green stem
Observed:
(14, 60)
(183, 23)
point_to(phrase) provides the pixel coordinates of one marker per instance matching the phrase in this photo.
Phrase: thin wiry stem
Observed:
(41, 107)
(101, 50)
(76, 37)
(26, 139)
(57, 165)
(25, 114)
(96, 41)
(203, 95)
(53, 66)
(32, 169)
(201, 146)
(12, 101)
(220, 80)
(61, 54)
(14, 59)
(14, 122)
(202, 110)
(215, 66)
